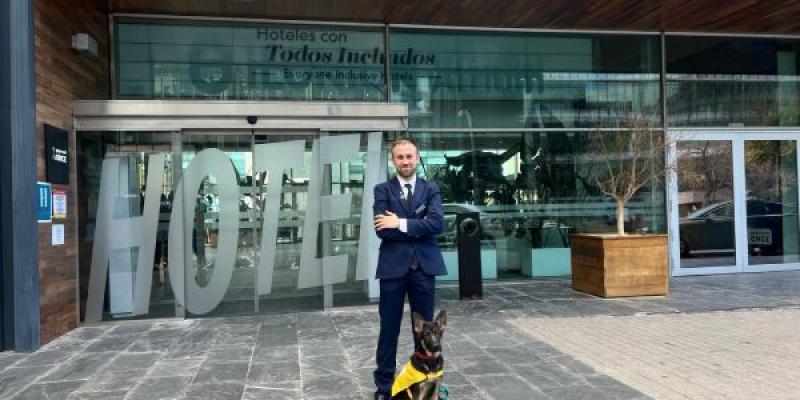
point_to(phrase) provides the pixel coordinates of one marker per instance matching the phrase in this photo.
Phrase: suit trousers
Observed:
(421, 290)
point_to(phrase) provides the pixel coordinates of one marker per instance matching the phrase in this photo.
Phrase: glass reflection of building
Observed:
(504, 120)
(714, 81)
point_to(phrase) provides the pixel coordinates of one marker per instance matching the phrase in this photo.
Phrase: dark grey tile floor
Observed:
(329, 355)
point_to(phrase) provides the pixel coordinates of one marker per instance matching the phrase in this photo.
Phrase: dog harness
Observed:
(410, 375)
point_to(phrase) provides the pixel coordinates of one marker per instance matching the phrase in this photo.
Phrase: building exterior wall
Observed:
(475, 98)
(64, 75)
(507, 120)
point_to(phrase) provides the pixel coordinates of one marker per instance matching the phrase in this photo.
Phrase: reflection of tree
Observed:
(705, 166)
(443, 177)
(771, 167)
(549, 172)
(760, 151)
(470, 174)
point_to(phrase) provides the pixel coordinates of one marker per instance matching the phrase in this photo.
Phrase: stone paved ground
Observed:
(491, 351)
(720, 355)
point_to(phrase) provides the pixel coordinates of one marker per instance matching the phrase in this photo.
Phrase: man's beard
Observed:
(407, 173)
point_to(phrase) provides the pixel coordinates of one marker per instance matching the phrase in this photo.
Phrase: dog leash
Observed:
(443, 393)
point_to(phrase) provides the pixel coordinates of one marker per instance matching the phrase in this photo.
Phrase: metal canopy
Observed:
(156, 115)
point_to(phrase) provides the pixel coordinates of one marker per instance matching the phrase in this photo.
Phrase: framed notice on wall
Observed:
(58, 234)
(56, 154)
(59, 203)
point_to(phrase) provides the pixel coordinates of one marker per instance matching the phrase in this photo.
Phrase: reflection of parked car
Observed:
(448, 237)
(711, 228)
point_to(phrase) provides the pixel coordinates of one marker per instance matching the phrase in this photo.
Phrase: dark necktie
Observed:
(409, 193)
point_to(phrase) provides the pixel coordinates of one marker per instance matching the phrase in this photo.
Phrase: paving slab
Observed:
(745, 354)
(525, 340)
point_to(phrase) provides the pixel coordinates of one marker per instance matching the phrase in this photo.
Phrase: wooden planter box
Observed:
(611, 265)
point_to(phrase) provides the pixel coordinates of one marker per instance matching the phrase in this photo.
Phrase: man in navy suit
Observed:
(408, 216)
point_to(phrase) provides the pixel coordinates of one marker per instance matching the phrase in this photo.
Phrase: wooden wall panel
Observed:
(732, 16)
(63, 75)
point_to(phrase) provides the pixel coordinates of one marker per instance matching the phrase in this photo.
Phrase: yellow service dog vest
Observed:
(409, 376)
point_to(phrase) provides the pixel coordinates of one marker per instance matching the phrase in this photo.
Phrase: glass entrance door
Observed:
(316, 198)
(706, 207)
(273, 220)
(734, 202)
(218, 217)
(283, 162)
(240, 222)
(770, 168)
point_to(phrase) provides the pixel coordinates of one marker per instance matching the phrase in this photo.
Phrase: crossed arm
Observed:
(387, 223)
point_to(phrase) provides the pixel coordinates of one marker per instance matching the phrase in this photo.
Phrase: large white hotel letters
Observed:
(115, 236)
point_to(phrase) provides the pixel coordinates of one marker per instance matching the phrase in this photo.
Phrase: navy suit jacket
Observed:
(425, 220)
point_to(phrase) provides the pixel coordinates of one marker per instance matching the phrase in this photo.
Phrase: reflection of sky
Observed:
(242, 161)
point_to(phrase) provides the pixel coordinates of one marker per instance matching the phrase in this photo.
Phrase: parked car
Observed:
(711, 228)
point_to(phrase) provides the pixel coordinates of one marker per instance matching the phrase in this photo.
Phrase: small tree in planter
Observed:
(629, 159)
(621, 264)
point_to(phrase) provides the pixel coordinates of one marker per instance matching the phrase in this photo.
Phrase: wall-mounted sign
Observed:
(59, 204)
(44, 204)
(56, 153)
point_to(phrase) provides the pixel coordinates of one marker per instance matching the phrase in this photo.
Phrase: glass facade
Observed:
(464, 79)
(533, 189)
(535, 186)
(248, 62)
(714, 81)
(506, 123)
(505, 80)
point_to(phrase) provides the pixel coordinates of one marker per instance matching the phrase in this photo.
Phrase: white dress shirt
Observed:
(413, 182)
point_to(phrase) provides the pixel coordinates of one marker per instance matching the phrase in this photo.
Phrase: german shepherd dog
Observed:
(421, 377)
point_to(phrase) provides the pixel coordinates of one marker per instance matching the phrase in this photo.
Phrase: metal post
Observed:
(663, 76)
(325, 233)
(670, 157)
(112, 55)
(254, 218)
(177, 173)
(387, 61)
(19, 231)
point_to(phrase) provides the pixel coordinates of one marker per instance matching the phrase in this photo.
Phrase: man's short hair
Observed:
(403, 140)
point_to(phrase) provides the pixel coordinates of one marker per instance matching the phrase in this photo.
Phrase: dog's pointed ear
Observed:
(441, 320)
(419, 322)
